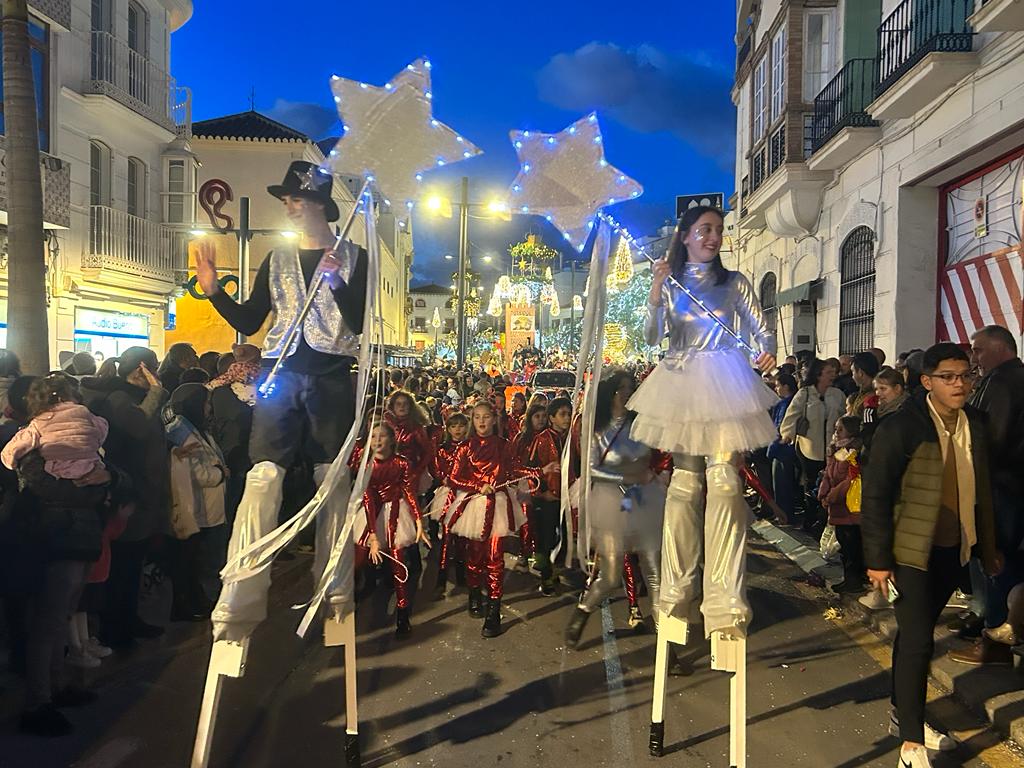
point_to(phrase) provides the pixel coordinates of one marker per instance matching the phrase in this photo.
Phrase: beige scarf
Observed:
(960, 440)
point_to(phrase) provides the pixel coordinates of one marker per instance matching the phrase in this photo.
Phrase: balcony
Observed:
(924, 47)
(134, 252)
(131, 79)
(56, 179)
(768, 157)
(998, 16)
(841, 127)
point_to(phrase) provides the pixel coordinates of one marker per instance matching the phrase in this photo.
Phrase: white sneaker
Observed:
(82, 660)
(97, 649)
(874, 601)
(934, 740)
(914, 758)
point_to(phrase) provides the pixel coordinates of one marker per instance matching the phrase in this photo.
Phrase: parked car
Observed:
(551, 380)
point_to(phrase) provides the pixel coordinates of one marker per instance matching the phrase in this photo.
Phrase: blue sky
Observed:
(658, 76)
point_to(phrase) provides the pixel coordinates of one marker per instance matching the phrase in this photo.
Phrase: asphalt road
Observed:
(817, 692)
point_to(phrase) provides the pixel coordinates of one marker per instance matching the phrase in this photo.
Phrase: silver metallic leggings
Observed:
(704, 545)
(611, 552)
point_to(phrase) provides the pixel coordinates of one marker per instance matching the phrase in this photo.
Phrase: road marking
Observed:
(622, 741)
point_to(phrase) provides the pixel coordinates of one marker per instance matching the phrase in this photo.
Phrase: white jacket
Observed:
(197, 486)
(822, 411)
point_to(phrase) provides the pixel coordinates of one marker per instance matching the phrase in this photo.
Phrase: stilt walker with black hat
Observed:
(311, 408)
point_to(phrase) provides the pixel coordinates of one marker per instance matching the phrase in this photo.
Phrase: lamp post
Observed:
(444, 207)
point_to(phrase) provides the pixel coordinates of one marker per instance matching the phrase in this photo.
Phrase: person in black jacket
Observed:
(311, 409)
(131, 403)
(1000, 394)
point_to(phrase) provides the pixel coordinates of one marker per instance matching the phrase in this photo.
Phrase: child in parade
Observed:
(392, 517)
(515, 418)
(456, 433)
(484, 510)
(411, 439)
(546, 449)
(840, 471)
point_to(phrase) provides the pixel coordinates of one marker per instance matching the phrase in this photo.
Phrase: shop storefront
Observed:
(107, 334)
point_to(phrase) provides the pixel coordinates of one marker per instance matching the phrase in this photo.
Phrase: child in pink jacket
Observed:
(67, 434)
(835, 483)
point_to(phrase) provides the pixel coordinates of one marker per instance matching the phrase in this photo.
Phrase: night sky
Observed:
(658, 76)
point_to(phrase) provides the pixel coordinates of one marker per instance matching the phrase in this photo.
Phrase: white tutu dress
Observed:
(469, 515)
(705, 398)
(396, 526)
(391, 501)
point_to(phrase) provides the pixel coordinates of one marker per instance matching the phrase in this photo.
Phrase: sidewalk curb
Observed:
(995, 694)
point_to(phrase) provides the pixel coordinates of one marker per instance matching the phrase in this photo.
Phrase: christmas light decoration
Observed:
(622, 266)
(503, 289)
(556, 309)
(494, 306)
(565, 178)
(611, 283)
(390, 134)
(577, 303)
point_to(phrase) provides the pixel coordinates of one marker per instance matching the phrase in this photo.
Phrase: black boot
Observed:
(476, 603)
(574, 629)
(402, 626)
(441, 587)
(492, 623)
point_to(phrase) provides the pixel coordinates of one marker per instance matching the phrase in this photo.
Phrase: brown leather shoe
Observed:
(985, 651)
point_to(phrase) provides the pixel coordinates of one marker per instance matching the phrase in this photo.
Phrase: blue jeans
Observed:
(784, 483)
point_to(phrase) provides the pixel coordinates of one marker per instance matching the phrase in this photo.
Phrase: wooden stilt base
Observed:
(343, 633)
(227, 659)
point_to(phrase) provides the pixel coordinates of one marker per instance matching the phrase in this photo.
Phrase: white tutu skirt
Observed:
(405, 529)
(639, 529)
(703, 404)
(439, 504)
(508, 515)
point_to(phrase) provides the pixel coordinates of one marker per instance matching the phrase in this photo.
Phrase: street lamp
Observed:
(442, 206)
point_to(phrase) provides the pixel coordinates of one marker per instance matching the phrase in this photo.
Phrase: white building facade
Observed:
(118, 173)
(880, 162)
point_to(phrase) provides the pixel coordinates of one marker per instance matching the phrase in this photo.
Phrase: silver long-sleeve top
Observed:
(690, 328)
(611, 464)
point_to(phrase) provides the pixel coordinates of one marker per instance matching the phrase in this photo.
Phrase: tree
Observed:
(27, 333)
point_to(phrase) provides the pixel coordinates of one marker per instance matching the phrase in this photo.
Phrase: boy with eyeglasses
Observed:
(926, 507)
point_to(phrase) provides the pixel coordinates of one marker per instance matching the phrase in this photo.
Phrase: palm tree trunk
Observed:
(27, 333)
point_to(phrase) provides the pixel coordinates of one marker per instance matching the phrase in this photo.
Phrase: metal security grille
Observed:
(769, 305)
(857, 292)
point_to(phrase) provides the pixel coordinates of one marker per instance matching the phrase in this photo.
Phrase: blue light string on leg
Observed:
(619, 229)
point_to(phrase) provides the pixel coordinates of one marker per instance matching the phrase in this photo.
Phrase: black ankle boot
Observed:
(476, 603)
(574, 629)
(402, 626)
(492, 623)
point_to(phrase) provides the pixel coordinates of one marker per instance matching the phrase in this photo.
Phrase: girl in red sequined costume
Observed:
(411, 439)
(516, 417)
(392, 516)
(457, 432)
(535, 421)
(484, 510)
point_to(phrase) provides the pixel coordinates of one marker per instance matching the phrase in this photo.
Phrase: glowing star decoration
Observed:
(565, 178)
(391, 135)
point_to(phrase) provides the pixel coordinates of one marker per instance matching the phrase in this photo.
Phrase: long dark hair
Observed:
(814, 371)
(677, 253)
(605, 395)
(527, 433)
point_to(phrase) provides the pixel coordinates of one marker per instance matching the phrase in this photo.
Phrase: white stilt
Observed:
(227, 659)
(670, 630)
(729, 654)
(343, 633)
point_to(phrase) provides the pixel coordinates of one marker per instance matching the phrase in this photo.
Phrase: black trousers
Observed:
(121, 602)
(545, 521)
(851, 549)
(923, 595)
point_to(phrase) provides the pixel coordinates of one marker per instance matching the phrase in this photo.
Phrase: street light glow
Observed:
(487, 259)
(289, 235)
(497, 206)
(448, 256)
(434, 203)
(197, 232)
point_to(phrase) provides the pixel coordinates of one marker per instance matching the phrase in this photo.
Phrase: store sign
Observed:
(102, 323)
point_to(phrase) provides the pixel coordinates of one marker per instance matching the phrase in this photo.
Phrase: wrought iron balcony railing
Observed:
(127, 243)
(844, 101)
(915, 29)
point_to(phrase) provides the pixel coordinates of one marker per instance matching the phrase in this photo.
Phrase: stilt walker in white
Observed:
(706, 405)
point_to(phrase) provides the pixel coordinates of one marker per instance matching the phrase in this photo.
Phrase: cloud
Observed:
(314, 120)
(648, 91)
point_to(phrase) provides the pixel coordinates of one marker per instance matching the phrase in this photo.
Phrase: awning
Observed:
(811, 291)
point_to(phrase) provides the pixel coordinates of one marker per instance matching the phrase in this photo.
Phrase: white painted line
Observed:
(622, 742)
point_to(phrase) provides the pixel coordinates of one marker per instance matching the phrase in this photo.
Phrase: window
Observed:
(420, 304)
(449, 325)
(99, 173)
(101, 16)
(39, 52)
(778, 74)
(181, 183)
(769, 302)
(136, 187)
(138, 50)
(857, 292)
(419, 324)
(760, 104)
(819, 52)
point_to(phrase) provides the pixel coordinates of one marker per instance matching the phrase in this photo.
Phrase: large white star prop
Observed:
(390, 134)
(565, 178)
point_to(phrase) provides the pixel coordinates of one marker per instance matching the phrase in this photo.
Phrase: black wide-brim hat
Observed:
(306, 180)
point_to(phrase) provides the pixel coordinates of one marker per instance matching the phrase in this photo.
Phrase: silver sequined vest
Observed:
(325, 329)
